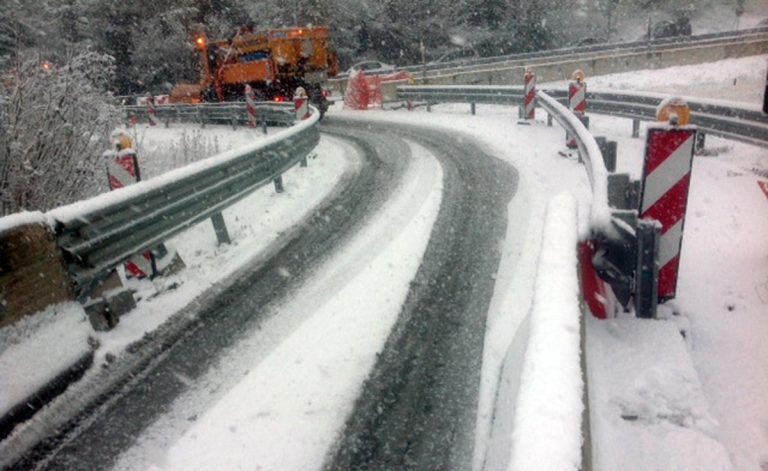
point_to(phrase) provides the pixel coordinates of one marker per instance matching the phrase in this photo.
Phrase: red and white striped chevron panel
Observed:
(666, 179)
(529, 80)
(123, 170)
(577, 97)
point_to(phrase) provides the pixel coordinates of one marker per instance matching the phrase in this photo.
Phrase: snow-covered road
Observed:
(280, 380)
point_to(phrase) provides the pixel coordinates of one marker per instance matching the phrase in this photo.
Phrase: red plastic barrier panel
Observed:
(665, 183)
(593, 289)
(357, 94)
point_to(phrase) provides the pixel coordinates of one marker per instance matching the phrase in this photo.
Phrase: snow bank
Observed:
(540, 394)
(37, 348)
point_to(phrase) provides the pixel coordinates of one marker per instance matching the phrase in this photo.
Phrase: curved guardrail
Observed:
(731, 122)
(98, 234)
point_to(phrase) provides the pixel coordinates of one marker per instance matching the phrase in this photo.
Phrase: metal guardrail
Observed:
(730, 122)
(654, 45)
(279, 114)
(98, 234)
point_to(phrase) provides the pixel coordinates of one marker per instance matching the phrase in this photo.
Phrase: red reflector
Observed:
(279, 99)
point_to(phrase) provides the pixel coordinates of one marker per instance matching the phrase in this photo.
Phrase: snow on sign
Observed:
(666, 179)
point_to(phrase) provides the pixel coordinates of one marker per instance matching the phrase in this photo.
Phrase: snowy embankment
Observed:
(298, 377)
(537, 418)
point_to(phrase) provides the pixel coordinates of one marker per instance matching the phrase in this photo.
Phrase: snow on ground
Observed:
(37, 348)
(731, 80)
(290, 406)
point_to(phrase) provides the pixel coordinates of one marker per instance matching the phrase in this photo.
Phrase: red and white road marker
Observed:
(665, 184)
(577, 101)
(152, 111)
(529, 80)
(301, 104)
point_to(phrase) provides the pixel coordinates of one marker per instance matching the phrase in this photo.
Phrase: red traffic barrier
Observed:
(357, 94)
(250, 106)
(664, 195)
(529, 102)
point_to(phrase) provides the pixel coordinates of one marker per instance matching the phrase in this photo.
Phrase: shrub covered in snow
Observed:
(55, 121)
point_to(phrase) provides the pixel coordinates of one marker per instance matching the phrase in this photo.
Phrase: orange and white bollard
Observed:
(301, 104)
(250, 106)
(529, 100)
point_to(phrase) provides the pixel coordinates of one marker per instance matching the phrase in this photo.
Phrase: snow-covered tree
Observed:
(54, 126)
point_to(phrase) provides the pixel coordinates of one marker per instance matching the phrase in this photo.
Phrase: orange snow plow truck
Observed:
(273, 62)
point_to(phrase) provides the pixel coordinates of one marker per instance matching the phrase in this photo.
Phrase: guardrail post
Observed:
(200, 116)
(279, 184)
(635, 128)
(472, 108)
(263, 120)
(608, 149)
(220, 228)
(699, 144)
(647, 272)
(429, 107)
(549, 120)
(618, 191)
(233, 119)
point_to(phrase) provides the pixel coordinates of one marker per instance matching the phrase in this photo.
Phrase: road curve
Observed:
(418, 408)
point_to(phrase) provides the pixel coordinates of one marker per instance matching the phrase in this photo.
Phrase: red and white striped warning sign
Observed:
(152, 111)
(250, 106)
(529, 80)
(140, 265)
(123, 170)
(666, 179)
